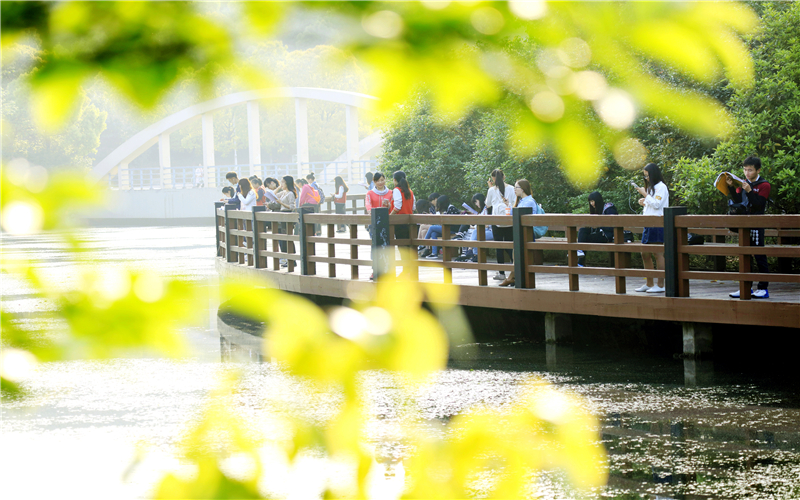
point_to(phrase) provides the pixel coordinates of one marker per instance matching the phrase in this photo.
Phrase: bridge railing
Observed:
(236, 243)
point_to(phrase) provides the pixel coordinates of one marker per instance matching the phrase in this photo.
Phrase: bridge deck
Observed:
(709, 301)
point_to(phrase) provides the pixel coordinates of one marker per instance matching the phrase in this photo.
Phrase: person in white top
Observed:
(500, 198)
(655, 197)
(247, 196)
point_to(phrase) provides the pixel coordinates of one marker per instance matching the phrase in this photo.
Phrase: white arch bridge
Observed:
(168, 191)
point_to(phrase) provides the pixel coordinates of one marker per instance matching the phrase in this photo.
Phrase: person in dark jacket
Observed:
(753, 195)
(597, 206)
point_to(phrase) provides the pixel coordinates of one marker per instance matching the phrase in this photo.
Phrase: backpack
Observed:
(539, 231)
(320, 191)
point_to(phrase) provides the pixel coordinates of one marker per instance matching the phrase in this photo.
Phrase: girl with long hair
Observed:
(402, 201)
(287, 197)
(597, 206)
(340, 199)
(247, 196)
(500, 198)
(655, 196)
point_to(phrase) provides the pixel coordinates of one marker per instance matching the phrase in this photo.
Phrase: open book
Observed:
(271, 196)
(469, 209)
(722, 185)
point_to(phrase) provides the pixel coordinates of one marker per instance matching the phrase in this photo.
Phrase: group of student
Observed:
(501, 198)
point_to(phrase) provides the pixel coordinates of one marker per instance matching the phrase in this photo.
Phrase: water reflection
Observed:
(668, 432)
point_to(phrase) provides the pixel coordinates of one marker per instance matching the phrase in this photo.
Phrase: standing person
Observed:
(369, 181)
(402, 202)
(247, 196)
(379, 195)
(261, 199)
(656, 197)
(199, 176)
(340, 199)
(500, 198)
(318, 206)
(309, 197)
(753, 194)
(231, 198)
(287, 198)
(522, 190)
(597, 206)
(233, 178)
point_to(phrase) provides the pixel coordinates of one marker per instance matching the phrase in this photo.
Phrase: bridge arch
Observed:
(159, 132)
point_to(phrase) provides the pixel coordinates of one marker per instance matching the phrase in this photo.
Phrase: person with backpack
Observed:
(318, 207)
(500, 198)
(751, 198)
(597, 206)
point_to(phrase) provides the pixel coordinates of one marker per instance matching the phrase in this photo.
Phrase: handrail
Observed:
(244, 237)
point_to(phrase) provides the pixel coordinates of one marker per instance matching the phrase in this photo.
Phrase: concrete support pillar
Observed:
(164, 162)
(558, 356)
(698, 369)
(209, 162)
(697, 340)
(351, 122)
(123, 176)
(254, 137)
(301, 121)
(557, 328)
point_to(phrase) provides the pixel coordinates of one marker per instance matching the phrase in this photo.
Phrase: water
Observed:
(108, 429)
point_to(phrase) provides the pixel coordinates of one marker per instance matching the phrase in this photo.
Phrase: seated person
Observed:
(428, 207)
(471, 255)
(596, 234)
(434, 232)
(231, 198)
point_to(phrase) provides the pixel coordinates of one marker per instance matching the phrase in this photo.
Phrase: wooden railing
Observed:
(251, 238)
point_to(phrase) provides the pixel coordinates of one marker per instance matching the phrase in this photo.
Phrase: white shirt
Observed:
(397, 198)
(654, 203)
(249, 201)
(494, 200)
(340, 193)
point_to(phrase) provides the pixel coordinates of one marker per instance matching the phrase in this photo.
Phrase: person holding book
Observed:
(752, 195)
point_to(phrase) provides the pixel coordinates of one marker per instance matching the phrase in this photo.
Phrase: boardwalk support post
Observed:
(303, 243)
(672, 265)
(228, 254)
(380, 242)
(257, 238)
(698, 368)
(557, 328)
(520, 267)
(217, 206)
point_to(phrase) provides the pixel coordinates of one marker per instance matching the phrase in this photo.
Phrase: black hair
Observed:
(376, 176)
(599, 203)
(231, 175)
(442, 203)
(423, 207)
(655, 177)
(228, 190)
(256, 181)
(338, 181)
(369, 176)
(310, 177)
(499, 181)
(402, 183)
(479, 197)
(433, 196)
(289, 180)
(271, 179)
(752, 161)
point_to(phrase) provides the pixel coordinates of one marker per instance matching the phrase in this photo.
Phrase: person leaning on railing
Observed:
(752, 195)
(597, 206)
(656, 198)
(230, 197)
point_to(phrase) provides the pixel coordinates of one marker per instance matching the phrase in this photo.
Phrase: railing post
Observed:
(520, 269)
(380, 242)
(305, 266)
(228, 254)
(672, 261)
(217, 206)
(257, 238)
